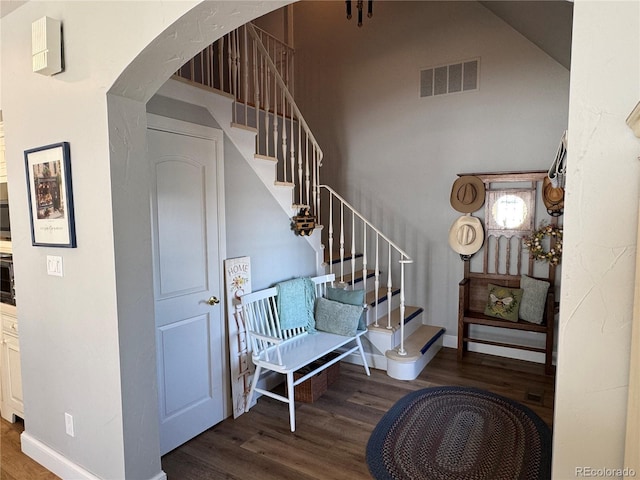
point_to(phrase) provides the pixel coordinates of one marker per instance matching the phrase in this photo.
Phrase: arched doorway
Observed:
(130, 186)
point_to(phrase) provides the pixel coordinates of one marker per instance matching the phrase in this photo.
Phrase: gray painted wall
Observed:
(394, 155)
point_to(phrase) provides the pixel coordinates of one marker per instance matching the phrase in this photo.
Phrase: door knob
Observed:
(213, 300)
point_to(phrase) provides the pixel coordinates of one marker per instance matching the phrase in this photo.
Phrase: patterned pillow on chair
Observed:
(503, 302)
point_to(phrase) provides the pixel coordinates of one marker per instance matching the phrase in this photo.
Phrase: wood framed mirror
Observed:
(510, 211)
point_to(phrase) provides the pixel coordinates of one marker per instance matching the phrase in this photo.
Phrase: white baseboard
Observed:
(57, 463)
(451, 341)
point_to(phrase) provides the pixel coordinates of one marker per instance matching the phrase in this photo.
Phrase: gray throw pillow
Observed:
(336, 317)
(351, 297)
(534, 298)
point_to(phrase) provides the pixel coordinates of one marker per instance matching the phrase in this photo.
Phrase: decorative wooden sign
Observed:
(237, 273)
(303, 223)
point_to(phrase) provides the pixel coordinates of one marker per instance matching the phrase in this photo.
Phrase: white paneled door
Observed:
(186, 254)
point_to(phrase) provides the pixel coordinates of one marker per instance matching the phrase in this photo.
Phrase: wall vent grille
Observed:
(453, 78)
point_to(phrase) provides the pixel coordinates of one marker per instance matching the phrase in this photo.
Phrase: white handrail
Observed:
(367, 222)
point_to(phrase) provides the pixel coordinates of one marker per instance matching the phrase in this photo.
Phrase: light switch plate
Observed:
(54, 265)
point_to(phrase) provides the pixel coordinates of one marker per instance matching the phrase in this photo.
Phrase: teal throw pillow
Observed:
(534, 299)
(336, 317)
(503, 302)
(350, 297)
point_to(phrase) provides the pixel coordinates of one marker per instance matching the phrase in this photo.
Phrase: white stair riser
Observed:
(387, 339)
(409, 328)
(265, 169)
(347, 262)
(411, 370)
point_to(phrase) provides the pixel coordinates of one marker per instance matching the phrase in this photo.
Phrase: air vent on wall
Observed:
(452, 78)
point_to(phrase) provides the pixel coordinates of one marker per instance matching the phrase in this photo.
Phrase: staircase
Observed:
(245, 80)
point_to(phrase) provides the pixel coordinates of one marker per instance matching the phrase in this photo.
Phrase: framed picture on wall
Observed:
(50, 195)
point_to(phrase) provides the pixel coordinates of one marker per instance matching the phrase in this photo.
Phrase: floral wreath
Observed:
(534, 244)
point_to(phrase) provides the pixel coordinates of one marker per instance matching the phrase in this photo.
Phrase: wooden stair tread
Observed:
(268, 158)
(244, 127)
(421, 337)
(283, 184)
(417, 343)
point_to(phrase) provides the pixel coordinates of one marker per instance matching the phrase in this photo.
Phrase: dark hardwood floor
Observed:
(331, 434)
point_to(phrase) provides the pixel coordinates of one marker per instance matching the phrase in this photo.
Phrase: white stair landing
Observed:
(420, 349)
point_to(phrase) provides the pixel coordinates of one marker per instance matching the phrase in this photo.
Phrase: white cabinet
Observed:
(11, 404)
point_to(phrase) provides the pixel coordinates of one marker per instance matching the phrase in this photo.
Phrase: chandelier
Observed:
(359, 6)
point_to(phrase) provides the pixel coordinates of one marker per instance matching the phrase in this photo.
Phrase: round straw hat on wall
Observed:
(466, 235)
(553, 198)
(467, 194)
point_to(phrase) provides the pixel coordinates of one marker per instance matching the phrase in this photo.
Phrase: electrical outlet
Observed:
(68, 424)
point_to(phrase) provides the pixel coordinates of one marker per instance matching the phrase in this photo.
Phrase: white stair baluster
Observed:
(341, 242)
(284, 137)
(389, 289)
(245, 68)
(256, 92)
(364, 256)
(300, 170)
(221, 61)
(307, 173)
(330, 233)
(233, 74)
(401, 350)
(208, 65)
(316, 168)
(275, 118)
(265, 103)
(290, 66)
(353, 250)
(376, 282)
(316, 199)
(292, 149)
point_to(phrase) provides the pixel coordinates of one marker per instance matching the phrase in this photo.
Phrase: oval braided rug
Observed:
(459, 433)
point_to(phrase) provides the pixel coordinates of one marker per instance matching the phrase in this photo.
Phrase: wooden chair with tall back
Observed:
(502, 261)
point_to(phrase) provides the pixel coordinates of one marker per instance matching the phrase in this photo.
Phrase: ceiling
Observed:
(545, 23)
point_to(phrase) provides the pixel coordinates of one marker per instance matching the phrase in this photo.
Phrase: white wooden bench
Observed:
(286, 351)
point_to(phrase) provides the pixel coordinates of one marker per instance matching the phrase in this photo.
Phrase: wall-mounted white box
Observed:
(46, 46)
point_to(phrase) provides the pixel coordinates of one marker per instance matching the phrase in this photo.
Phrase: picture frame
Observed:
(50, 195)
